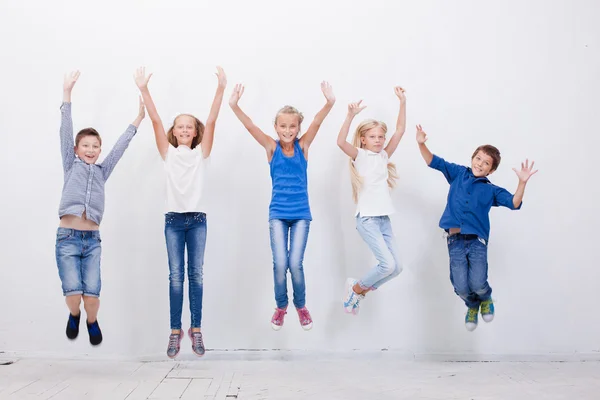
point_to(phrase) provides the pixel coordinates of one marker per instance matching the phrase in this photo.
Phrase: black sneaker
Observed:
(73, 326)
(95, 333)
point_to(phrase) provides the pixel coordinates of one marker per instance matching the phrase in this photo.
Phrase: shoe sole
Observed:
(467, 326)
(276, 327)
(484, 316)
(307, 327)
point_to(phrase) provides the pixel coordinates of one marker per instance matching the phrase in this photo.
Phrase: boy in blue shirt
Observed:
(466, 219)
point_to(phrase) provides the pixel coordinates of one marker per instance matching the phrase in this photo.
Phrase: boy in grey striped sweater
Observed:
(81, 209)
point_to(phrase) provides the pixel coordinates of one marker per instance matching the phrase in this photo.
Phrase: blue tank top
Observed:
(289, 199)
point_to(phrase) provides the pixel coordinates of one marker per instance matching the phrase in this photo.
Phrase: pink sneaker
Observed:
(305, 319)
(277, 319)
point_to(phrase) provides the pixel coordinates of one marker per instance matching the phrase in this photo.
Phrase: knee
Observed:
(90, 301)
(479, 288)
(397, 269)
(296, 266)
(176, 273)
(388, 266)
(461, 287)
(195, 274)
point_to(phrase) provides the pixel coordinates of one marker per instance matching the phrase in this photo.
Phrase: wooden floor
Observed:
(273, 375)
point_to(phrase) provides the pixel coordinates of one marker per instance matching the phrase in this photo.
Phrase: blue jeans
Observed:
(377, 233)
(181, 230)
(468, 268)
(78, 260)
(291, 258)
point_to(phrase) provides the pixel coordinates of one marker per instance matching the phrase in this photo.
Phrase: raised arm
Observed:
(141, 80)
(264, 140)
(209, 131)
(350, 150)
(313, 129)
(421, 139)
(67, 144)
(111, 160)
(524, 174)
(400, 123)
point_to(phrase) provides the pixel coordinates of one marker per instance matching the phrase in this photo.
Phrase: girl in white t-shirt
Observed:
(185, 149)
(372, 176)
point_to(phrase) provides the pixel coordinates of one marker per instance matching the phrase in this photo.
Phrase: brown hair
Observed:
(87, 132)
(199, 126)
(491, 151)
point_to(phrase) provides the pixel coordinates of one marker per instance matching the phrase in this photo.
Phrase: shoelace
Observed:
(197, 340)
(304, 316)
(174, 340)
(486, 306)
(279, 314)
(471, 314)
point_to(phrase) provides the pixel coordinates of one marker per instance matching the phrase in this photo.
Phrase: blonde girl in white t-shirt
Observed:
(185, 149)
(373, 176)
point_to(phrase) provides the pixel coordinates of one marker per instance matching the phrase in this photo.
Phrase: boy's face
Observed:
(88, 149)
(481, 164)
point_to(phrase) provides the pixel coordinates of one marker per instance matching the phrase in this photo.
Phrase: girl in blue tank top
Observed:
(289, 211)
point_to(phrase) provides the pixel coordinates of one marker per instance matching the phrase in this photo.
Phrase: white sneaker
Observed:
(351, 298)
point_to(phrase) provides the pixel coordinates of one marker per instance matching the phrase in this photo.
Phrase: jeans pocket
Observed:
(200, 217)
(61, 237)
(451, 239)
(169, 217)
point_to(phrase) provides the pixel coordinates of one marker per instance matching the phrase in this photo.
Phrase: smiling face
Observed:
(184, 130)
(482, 164)
(88, 145)
(287, 127)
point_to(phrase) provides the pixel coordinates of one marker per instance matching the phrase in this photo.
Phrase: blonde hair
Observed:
(355, 178)
(199, 126)
(289, 110)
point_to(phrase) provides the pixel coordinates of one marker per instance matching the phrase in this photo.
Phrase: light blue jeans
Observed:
(284, 258)
(377, 233)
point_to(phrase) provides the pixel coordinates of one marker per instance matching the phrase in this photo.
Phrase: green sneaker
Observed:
(471, 319)
(487, 310)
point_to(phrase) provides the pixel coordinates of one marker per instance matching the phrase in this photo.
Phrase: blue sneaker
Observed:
(95, 333)
(487, 310)
(73, 326)
(471, 319)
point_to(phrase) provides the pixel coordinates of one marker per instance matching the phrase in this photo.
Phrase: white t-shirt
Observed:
(374, 198)
(185, 170)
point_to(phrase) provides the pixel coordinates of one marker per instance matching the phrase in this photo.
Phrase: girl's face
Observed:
(184, 130)
(374, 139)
(88, 149)
(287, 127)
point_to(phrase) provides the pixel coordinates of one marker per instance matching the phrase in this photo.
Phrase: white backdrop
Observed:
(522, 75)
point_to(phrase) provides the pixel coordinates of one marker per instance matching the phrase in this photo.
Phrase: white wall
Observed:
(521, 75)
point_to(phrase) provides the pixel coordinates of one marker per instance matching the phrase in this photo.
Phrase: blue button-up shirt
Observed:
(83, 190)
(470, 199)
